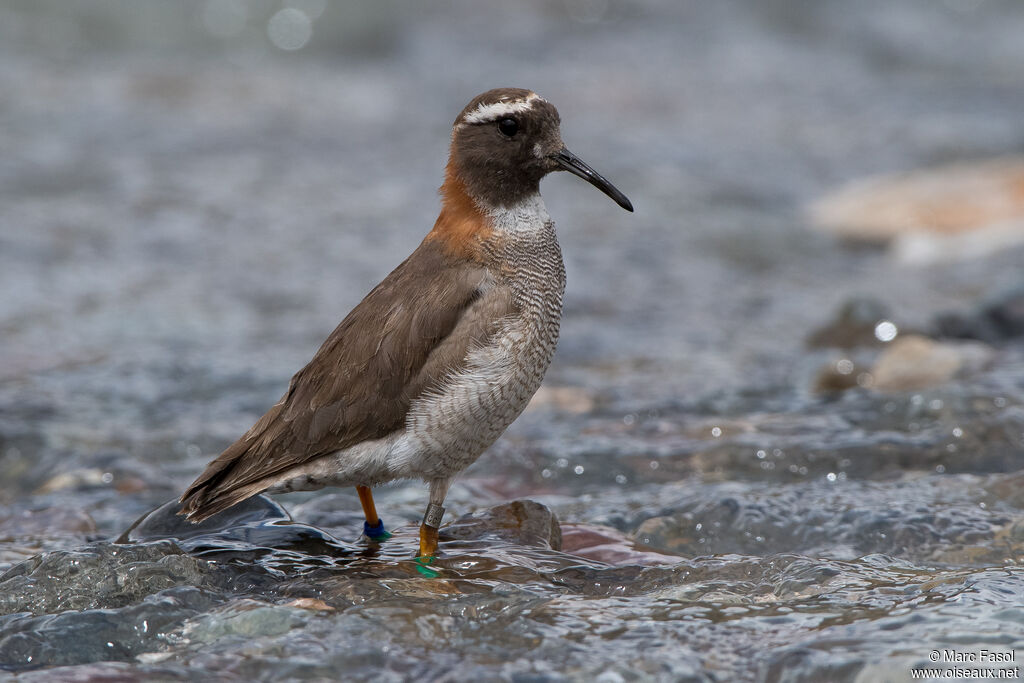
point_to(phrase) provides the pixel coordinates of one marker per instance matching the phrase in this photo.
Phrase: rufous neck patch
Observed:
(461, 225)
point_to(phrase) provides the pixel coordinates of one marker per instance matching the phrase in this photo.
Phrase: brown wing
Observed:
(408, 334)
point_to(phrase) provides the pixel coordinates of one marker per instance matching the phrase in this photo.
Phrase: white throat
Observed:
(529, 216)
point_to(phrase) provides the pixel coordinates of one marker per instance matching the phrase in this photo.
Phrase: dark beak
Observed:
(573, 164)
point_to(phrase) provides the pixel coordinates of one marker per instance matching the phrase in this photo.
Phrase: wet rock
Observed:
(609, 545)
(130, 485)
(24, 533)
(941, 519)
(100, 575)
(922, 249)
(912, 363)
(76, 637)
(113, 472)
(310, 604)
(247, 618)
(107, 672)
(255, 527)
(522, 522)
(807, 664)
(840, 375)
(856, 324)
(869, 651)
(48, 522)
(996, 321)
(1008, 488)
(930, 215)
(73, 480)
(962, 426)
(165, 522)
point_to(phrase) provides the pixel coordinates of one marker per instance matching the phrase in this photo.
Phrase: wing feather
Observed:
(406, 337)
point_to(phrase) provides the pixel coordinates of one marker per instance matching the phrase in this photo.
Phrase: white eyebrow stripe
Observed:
(495, 110)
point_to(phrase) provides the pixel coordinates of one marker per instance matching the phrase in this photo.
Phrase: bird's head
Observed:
(505, 141)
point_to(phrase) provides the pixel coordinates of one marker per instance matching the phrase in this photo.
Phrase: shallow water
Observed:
(183, 220)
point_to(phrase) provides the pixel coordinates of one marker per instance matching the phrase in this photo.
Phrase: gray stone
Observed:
(523, 522)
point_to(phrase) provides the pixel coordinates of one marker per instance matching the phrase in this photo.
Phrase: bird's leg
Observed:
(432, 519)
(373, 527)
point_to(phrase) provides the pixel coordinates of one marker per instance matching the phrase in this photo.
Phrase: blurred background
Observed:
(818, 305)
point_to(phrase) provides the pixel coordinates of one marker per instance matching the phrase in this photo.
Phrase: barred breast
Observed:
(446, 430)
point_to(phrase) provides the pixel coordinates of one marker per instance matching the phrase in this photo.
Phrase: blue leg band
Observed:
(375, 533)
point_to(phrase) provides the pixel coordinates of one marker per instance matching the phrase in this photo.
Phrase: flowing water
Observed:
(187, 210)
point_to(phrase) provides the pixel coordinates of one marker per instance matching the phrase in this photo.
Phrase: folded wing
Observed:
(407, 336)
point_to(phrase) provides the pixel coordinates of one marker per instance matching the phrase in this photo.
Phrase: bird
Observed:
(433, 365)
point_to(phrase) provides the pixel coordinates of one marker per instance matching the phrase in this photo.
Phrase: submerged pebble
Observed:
(859, 322)
(914, 362)
(936, 214)
(996, 320)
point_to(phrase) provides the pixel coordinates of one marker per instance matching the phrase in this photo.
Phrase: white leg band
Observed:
(432, 517)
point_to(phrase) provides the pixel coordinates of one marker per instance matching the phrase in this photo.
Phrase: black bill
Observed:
(573, 164)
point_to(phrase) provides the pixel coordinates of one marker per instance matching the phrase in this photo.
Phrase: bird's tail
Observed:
(220, 486)
(200, 503)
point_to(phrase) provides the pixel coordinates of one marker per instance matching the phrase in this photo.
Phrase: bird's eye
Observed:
(508, 127)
